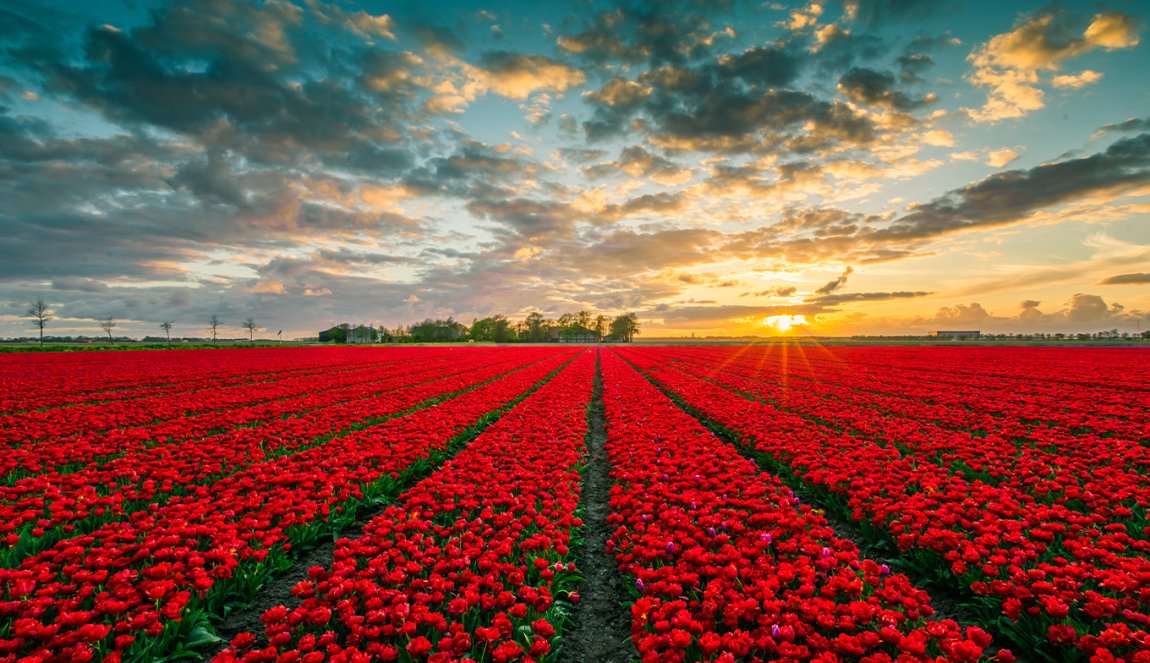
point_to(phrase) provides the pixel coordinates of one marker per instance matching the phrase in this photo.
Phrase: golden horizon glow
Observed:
(785, 323)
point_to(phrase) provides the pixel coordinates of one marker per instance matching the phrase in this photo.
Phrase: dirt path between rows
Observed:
(601, 629)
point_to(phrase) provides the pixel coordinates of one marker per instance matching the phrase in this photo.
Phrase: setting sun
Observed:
(785, 323)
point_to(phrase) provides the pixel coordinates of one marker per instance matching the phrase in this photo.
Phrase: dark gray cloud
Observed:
(197, 70)
(1009, 196)
(875, 88)
(1129, 125)
(734, 103)
(656, 32)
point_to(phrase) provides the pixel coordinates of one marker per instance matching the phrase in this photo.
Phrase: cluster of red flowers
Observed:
(115, 591)
(1039, 521)
(728, 565)
(470, 561)
(39, 510)
(141, 493)
(109, 423)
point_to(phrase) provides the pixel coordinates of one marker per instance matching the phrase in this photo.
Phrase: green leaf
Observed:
(200, 637)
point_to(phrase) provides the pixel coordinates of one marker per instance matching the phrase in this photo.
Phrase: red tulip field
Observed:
(569, 503)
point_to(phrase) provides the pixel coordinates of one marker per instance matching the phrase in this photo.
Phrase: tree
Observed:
(40, 315)
(214, 324)
(625, 327)
(108, 324)
(166, 325)
(599, 325)
(535, 327)
(438, 331)
(497, 328)
(250, 325)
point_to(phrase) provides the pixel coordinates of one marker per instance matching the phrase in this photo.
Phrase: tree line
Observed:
(582, 326)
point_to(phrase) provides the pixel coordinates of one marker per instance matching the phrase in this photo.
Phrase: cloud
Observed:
(518, 75)
(993, 158)
(1011, 65)
(637, 163)
(1030, 312)
(836, 283)
(1137, 278)
(780, 291)
(1129, 125)
(1009, 196)
(972, 313)
(1087, 308)
(656, 32)
(846, 298)
(867, 86)
(732, 104)
(1001, 157)
(1076, 81)
(79, 284)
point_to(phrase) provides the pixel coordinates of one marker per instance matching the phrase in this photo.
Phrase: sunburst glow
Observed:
(785, 323)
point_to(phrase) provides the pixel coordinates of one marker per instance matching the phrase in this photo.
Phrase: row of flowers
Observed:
(195, 403)
(65, 379)
(1106, 477)
(469, 563)
(1051, 579)
(728, 565)
(1039, 402)
(39, 510)
(1048, 390)
(135, 589)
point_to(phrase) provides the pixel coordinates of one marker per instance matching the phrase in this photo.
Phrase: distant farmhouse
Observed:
(957, 335)
(346, 333)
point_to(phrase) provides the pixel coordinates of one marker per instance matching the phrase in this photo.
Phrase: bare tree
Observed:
(214, 324)
(250, 325)
(38, 311)
(108, 324)
(166, 325)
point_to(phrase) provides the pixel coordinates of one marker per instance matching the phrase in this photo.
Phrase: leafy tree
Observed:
(504, 332)
(250, 325)
(496, 329)
(535, 327)
(625, 327)
(439, 331)
(166, 325)
(40, 314)
(599, 325)
(108, 324)
(214, 325)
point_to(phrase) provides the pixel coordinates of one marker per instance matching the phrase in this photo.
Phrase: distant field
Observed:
(779, 501)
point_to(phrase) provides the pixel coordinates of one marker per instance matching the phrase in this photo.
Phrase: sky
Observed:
(718, 167)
